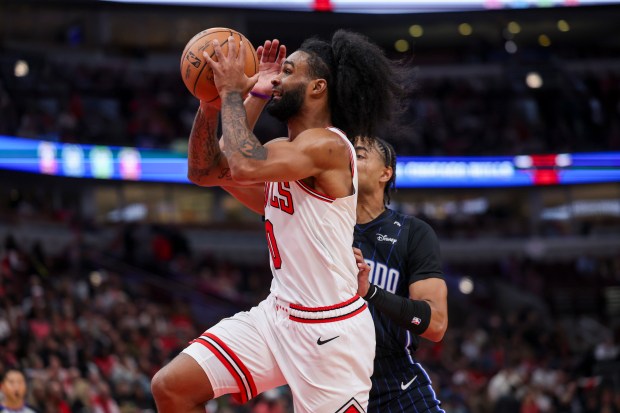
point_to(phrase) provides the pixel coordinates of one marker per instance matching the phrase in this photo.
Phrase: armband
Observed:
(260, 95)
(412, 315)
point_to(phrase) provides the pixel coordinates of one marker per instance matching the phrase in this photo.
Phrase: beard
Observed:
(288, 105)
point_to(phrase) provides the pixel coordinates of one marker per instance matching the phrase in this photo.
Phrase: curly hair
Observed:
(364, 85)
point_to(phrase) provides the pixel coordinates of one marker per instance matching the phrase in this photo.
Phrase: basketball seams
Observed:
(203, 68)
(194, 39)
(217, 33)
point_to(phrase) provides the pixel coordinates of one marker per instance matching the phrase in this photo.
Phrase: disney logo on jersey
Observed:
(381, 237)
(383, 276)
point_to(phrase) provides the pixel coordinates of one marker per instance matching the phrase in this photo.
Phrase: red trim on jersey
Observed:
(326, 308)
(329, 319)
(314, 193)
(267, 189)
(243, 391)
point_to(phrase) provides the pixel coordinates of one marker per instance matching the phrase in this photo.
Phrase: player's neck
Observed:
(306, 120)
(369, 207)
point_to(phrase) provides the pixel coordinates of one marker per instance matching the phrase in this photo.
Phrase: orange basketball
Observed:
(196, 73)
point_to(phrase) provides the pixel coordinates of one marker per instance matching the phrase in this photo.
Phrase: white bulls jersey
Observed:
(310, 236)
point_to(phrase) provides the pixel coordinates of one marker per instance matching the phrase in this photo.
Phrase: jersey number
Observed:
(273, 245)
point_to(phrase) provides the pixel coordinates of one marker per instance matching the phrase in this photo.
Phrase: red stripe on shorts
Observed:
(329, 319)
(326, 308)
(243, 391)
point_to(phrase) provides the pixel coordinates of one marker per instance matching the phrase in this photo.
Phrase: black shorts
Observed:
(400, 386)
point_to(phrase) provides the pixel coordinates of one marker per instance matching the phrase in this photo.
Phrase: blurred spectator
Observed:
(465, 115)
(13, 391)
(89, 340)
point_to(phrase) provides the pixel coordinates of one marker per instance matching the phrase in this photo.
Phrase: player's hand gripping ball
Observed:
(196, 73)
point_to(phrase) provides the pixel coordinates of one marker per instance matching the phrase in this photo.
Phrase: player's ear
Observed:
(318, 86)
(387, 174)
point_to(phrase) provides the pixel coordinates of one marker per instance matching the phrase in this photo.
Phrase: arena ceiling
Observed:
(118, 27)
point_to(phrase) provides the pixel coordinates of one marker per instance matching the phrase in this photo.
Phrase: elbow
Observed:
(437, 330)
(243, 173)
(198, 179)
(193, 178)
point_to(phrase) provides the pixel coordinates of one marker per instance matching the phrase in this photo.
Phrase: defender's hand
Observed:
(363, 283)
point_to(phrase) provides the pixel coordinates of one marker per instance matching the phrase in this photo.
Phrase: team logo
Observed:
(416, 321)
(352, 406)
(193, 59)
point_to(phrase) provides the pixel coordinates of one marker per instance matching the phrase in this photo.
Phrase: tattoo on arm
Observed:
(204, 152)
(225, 174)
(237, 136)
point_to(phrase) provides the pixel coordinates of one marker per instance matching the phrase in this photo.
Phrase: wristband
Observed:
(260, 95)
(372, 290)
(412, 315)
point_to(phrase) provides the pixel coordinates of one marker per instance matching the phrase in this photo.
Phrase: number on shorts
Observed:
(273, 245)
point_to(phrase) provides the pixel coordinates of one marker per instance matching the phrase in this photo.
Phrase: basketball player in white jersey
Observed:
(313, 332)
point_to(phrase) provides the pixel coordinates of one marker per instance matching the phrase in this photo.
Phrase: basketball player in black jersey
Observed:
(401, 280)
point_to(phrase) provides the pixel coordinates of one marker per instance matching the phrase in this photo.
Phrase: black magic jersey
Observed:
(400, 250)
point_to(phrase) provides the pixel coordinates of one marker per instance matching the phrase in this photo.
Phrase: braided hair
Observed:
(364, 86)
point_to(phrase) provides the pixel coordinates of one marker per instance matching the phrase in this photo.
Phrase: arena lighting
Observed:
(151, 165)
(21, 68)
(563, 26)
(511, 47)
(401, 45)
(416, 30)
(376, 6)
(514, 28)
(533, 80)
(466, 285)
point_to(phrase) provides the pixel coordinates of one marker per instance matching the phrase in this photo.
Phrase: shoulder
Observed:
(325, 144)
(420, 232)
(420, 226)
(271, 142)
(322, 136)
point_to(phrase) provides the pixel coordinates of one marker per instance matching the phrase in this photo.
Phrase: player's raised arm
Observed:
(309, 153)
(207, 165)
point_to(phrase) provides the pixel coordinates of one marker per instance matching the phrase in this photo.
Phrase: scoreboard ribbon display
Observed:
(377, 6)
(140, 164)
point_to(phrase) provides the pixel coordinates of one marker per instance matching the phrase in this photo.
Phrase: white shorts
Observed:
(324, 354)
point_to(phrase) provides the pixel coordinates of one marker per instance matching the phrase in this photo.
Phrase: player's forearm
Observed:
(241, 147)
(253, 108)
(439, 322)
(206, 164)
(413, 315)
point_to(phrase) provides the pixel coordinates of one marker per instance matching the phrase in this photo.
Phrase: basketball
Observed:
(196, 73)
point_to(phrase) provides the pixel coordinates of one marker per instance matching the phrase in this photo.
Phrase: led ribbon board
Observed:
(140, 164)
(92, 161)
(504, 171)
(376, 6)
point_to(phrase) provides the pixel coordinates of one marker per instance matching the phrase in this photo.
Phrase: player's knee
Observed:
(162, 386)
